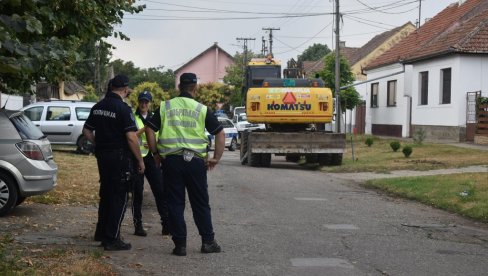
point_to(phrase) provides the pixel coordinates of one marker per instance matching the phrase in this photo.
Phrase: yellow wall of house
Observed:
(75, 97)
(356, 68)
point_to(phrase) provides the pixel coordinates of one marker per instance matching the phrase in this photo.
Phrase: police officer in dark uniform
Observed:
(111, 128)
(182, 144)
(153, 174)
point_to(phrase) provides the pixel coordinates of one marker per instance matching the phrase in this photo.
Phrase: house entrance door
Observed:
(471, 120)
(361, 118)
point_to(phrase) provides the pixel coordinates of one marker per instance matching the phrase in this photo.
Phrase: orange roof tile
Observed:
(459, 28)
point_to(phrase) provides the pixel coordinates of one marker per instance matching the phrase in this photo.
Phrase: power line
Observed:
(294, 48)
(178, 18)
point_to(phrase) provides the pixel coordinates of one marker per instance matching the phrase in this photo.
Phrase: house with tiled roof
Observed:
(359, 57)
(428, 83)
(312, 67)
(209, 65)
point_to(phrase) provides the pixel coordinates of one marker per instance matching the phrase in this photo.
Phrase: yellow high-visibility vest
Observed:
(182, 127)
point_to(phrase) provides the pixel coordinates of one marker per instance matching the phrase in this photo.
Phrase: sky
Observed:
(170, 33)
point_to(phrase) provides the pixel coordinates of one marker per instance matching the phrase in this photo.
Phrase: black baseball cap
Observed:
(145, 95)
(188, 78)
(120, 81)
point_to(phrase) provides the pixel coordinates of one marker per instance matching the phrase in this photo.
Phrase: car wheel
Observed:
(84, 146)
(233, 144)
(8, 194)
(20, 199)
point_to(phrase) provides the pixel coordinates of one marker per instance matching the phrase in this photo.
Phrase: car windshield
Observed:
(25, 127)
(242, 117)
(226, 123)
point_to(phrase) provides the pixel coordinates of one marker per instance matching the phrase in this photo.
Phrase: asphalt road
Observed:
(287, 220)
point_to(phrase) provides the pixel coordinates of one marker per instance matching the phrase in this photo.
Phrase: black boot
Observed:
(180, 248)
(139, 230)
(210, 247)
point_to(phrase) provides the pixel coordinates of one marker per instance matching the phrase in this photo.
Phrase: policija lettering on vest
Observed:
(180, 112)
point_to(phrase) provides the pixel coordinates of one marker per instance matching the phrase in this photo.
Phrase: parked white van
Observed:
(61, 121)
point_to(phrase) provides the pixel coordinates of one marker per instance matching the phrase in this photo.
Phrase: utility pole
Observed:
(263, 46)
(337, 67)
(271, 38)
(420, 13)
(245, 39)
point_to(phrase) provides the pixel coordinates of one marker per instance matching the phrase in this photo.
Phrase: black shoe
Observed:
(139, 231)
(165, 231)
(210, 247)
(97, 237)
(116, 245)
(179, 250)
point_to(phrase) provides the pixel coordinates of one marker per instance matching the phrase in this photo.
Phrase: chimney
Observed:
(342, 44)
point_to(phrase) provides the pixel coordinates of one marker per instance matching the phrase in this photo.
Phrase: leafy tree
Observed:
(43, 39)
(156, 91)
(165, 79)
(210, 94)
(350, 98)
(314, 52)
(90, 96)
(235, 77)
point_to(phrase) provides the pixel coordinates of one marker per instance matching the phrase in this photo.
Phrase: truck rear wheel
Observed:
(336, 159)
(292, 157)
(312, 158)
(266, 159)
(244, 147)
(325, 159)
(255, 159)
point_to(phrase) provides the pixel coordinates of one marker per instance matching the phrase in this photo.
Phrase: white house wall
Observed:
(468, 74)
(383, 114)
(435, 113)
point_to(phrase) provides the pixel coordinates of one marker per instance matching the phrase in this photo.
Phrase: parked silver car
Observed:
(27, 167)
(61, 121)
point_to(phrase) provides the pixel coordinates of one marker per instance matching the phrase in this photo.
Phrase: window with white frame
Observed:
(446, 86)
(374, 94)
(424, 88)
(391, 93)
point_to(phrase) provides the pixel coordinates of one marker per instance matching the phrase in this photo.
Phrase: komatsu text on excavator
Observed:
(294, 110)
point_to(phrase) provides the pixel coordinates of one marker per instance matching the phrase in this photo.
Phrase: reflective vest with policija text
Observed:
(142, 138)
(182, 127)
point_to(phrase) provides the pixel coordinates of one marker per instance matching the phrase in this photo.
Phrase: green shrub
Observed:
(419, 136)
(369, 141)
(395, 145)
(407, 151)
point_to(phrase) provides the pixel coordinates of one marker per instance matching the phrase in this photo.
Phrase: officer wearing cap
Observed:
(112, 129)
(152, 173)
(182, 148)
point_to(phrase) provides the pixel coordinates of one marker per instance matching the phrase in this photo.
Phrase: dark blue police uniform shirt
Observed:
(111, 119)
(212, 124)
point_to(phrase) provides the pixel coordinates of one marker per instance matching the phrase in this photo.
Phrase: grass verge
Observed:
(381, 158)
(466, 194)
(30, 259)
(78, 180)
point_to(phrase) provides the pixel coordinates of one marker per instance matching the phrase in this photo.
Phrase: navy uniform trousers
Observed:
(178, 175)
(114, 167)
(155, 178)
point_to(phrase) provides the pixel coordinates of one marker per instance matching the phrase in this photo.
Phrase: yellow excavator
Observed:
(294, 110)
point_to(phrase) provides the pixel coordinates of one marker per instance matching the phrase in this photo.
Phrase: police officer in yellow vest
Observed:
(182, 147)
(153, 174)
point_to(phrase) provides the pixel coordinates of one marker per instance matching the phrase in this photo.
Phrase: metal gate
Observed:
(471, 120)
